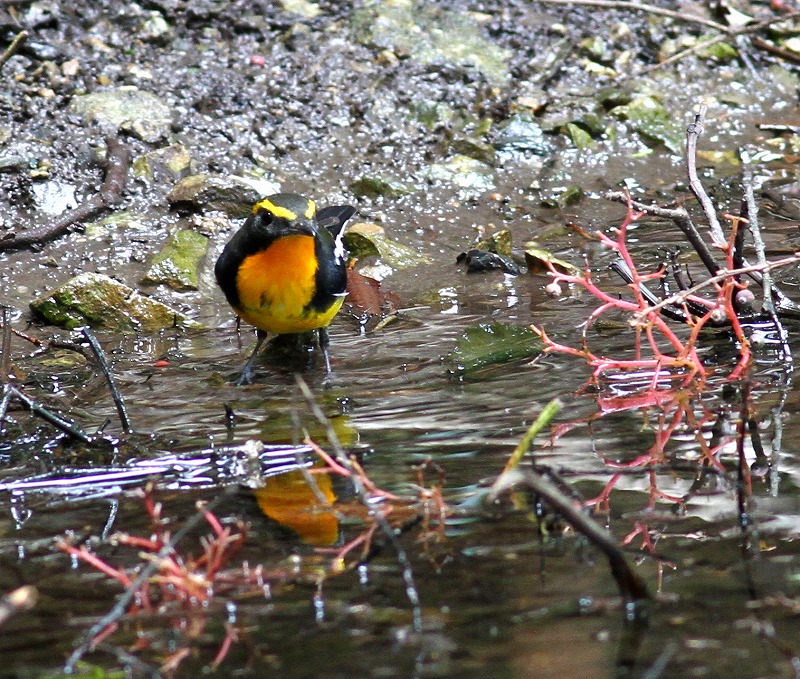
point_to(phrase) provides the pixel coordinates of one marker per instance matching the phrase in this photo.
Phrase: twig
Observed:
(692, 133)
(112, 382)
(632, 587)
(731, 32)
(679, 297)
(545, 417)
(772, 48)
(341, 457)
(155, 563)
(768, 303)
(680, 217)
(64, 425)
(110, 194)
(642, 7)
(5, 347)
(136, 666)
(16, 43)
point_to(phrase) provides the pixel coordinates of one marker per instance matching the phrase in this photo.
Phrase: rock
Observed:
(101, 302)
(539, 260)
(372, 187)
(563, 197)
(367, 240)
(430, 35)
(649, 118)
(472, 177)
(165, 165)
(303, 8)
(481, 261)
(54, 197)
(228, 193)
(156, 29)
(178, 263)
(580, 137)
(125, 108)
(499, 242)
(474, 147)
(122, 220)
(520, 136)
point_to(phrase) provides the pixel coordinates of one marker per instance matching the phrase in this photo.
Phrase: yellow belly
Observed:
(275, 287)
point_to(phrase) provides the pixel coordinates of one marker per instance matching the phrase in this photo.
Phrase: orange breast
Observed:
(277, 284)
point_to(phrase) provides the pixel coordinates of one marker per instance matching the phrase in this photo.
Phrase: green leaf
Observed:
(489, 344)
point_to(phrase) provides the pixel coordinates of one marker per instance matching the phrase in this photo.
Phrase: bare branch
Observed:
(692, 133)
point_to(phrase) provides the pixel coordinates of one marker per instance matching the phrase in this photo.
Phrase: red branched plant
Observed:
(653, 334)
(187, 580)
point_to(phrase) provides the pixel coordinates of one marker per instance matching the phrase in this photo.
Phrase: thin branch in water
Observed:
(342, 458)
(631, 586)
(679, 297)
(116, 394)
(679, 217)
(5, 347)
(67, 427)
(768, 303)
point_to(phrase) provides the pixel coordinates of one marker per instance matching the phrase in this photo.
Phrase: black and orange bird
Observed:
(285, 271)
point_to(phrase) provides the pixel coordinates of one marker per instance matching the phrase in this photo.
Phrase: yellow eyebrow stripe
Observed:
(283, 212)
(276, 210)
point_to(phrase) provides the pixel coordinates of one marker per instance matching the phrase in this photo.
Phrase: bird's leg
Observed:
(247, 372)
(324, 343)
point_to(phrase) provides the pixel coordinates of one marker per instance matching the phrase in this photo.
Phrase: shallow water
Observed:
(509, 590)
(495, 592)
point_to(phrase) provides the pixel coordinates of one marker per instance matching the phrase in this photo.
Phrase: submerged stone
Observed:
(648, 117)
(178, 263)
(499, 242)
(430, 35)
(375, 186)
(101, 302)
(472, 177)
(125, 108)
(303, 8)
(520, 135)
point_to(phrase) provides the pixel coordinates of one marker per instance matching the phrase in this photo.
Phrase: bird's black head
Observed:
(283, 214)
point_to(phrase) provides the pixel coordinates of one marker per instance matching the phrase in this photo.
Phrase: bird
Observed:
(285, 270)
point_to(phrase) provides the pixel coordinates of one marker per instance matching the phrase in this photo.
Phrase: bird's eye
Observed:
(266, 217)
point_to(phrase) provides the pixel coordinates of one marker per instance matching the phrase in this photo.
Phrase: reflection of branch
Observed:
(156, 562)
(341, 457)
(631, 586)
(110, 193)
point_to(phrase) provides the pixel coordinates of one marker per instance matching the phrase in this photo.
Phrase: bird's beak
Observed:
(306, 226)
